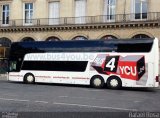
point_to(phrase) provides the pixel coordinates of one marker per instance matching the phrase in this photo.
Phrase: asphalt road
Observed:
(19, 97)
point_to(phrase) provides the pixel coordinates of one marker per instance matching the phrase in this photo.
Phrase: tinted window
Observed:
(82, 46)
(141, 47)
(77, 66)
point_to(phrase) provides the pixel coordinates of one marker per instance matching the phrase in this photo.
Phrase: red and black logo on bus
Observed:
(129, 67)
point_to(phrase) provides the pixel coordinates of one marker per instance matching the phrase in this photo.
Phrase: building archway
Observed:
(5, 44)
(107, 37)
(79, 38)
(139, 36)
(27, 39)
(52, 38)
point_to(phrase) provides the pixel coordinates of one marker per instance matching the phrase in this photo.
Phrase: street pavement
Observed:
(19, 97)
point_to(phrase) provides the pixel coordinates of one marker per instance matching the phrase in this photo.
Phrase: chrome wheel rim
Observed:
(97, 82)
(114, 82)
(30, 78)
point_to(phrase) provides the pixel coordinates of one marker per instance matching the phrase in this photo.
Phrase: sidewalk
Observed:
(3, 77)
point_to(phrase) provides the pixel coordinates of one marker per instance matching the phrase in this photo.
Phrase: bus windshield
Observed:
(12, 65)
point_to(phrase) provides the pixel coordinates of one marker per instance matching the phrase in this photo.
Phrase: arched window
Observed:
(52, 38)
(27, 39)
(140, 36)
(79, 38)
(106, 37)
(5, 42)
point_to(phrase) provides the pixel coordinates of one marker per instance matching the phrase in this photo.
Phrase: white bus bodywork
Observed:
(148, 79)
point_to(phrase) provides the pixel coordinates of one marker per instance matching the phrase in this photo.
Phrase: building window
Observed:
(139, 36)
(109, 10)
(2, 52)
(108, 37)
(140, 9)
(80, 11)
(54, 14)
(5, 44)
(52, 38)
(27, 39)
(5, 14)
(79, 38)
(28, 13)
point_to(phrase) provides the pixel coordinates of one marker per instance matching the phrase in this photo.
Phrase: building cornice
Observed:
(5, 2)
(80, 27)
(53, 0)
(28, 0)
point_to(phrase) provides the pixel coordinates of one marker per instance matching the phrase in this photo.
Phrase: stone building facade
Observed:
(54, 20)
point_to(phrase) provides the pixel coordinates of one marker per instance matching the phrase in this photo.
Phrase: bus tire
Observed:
(29, 78)
(114, 82)
(97, 81)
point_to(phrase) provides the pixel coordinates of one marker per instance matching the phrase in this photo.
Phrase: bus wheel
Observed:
(97, 81)
(114, 82)
(29, 78)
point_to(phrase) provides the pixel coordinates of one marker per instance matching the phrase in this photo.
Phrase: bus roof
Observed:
(116, 45)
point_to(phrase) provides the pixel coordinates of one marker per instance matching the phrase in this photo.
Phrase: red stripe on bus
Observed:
(16, 75)
(62, 77)
(79, 78)
(43, 76)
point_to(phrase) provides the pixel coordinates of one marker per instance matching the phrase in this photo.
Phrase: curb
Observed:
(3, 77)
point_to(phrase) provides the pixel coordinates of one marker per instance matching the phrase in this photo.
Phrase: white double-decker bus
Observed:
(112, 63)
